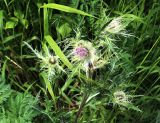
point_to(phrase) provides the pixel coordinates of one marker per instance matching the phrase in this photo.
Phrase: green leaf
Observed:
(24, 22)
(3, 74)
(64, 30)
(49, 87)
(21, 108)
(1, 23)
(11, 23)
(58, 51)
(10, 38)
(70, 79)
(65, 9)
(5, 91)
(18, 14)
(46, 25)
(131, 106)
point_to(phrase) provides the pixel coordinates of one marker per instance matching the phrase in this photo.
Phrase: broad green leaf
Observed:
(18, 14)
(11, 23)
(65, 9)
(58, 51)
(24, 22)
(64, 30)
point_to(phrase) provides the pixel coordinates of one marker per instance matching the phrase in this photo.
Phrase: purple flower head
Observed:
(81, 52)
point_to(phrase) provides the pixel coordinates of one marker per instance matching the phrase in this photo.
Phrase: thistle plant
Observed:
(117, 26)
(122, 99)
(86, 55)
(83, 51)
(49, 63)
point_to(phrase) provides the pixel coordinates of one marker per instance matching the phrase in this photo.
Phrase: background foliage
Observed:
(27, 96)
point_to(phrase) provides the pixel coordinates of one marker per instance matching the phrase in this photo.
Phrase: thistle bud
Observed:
(83, 51)
(115, 26)
(120, 97)
(52, 60)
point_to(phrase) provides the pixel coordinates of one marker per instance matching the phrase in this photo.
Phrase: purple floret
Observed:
(81, 52)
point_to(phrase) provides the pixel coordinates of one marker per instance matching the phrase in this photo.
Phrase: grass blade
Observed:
(49, 87)
(10, 38)
(69, 80)
(58, 51)
(46, 26)
(65, 9)
(3, 75)
(1, 24)
(150, 51)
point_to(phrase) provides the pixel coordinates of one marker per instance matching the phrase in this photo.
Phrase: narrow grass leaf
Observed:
(10, 38)
(46, 27)
(49, 87)
(65, 9)
(1, 24)
(69, 80)
(58, 51)
(3, 70)
(150, 51)
(67, 99)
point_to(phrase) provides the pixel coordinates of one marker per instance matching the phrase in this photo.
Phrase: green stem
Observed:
(85, 97)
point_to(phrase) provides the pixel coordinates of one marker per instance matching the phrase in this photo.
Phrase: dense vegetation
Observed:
(90, 61)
